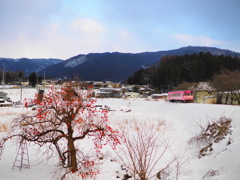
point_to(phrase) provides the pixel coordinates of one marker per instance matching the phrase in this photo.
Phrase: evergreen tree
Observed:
(173, 70)
(33, 79)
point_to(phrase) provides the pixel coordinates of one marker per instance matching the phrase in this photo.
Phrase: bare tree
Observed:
(186, 86)
(62, 119)
(228, 86)
(144, 150)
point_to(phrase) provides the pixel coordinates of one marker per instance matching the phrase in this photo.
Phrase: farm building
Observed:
(205, 96)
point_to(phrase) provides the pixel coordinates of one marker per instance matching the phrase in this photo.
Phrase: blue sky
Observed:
(66, 28)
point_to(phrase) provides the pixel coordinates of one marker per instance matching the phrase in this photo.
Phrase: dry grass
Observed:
(13, 111)
(159, 124)
(3, 128)
(8, 112)
(213, 133)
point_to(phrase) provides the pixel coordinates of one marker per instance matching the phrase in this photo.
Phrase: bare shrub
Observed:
(179, 157)
(144, 150)
(211, 173)
(227, 85)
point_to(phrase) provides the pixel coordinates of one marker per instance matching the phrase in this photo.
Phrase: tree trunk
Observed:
(72, 155)
(72, 159)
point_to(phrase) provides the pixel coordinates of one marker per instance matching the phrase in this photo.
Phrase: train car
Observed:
(182, 96)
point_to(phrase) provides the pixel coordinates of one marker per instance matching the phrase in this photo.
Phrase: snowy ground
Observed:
(182, 122)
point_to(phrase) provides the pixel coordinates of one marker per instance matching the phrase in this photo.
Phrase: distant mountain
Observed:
(100, 66)
(198, 49)
(26, 65)
(118, 66)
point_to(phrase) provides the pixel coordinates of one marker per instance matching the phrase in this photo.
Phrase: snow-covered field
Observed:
(182, 121)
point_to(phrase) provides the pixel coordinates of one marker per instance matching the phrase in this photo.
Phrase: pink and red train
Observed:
(182, 96)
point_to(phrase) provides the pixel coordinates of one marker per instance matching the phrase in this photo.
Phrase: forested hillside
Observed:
(173, 70)
(117, 66)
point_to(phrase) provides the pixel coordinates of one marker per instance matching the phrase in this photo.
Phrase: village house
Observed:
(3, 97)
(145, 90)
(112, 84)
(131, 95)
(108, 93)
(4, 100)
(20, 83)
(98, 84)
(127, 88)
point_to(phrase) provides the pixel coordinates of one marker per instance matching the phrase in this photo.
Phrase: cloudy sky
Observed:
(65, 28)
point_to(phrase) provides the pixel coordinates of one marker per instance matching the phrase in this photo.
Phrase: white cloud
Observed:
(123, 40)
(186, 39)
(87, 26)
(124, 34)
(57, 41)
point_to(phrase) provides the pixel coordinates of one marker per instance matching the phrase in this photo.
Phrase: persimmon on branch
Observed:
(61, 118)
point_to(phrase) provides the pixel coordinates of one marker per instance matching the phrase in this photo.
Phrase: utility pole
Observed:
(28, 81)
(44, 82)
(3, 78)
(37, 81)
(21, 89)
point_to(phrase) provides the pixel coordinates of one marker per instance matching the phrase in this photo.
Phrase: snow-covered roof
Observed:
(163, 94)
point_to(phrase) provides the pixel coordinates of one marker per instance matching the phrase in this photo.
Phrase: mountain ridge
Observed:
(116, 66)
(107, 66)
(26, 65)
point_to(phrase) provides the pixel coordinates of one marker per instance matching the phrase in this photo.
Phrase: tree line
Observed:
(171, 71)
(9, 77)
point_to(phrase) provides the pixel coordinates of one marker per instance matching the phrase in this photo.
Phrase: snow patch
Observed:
(144, 67)
(182, 123)
(75, 62)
